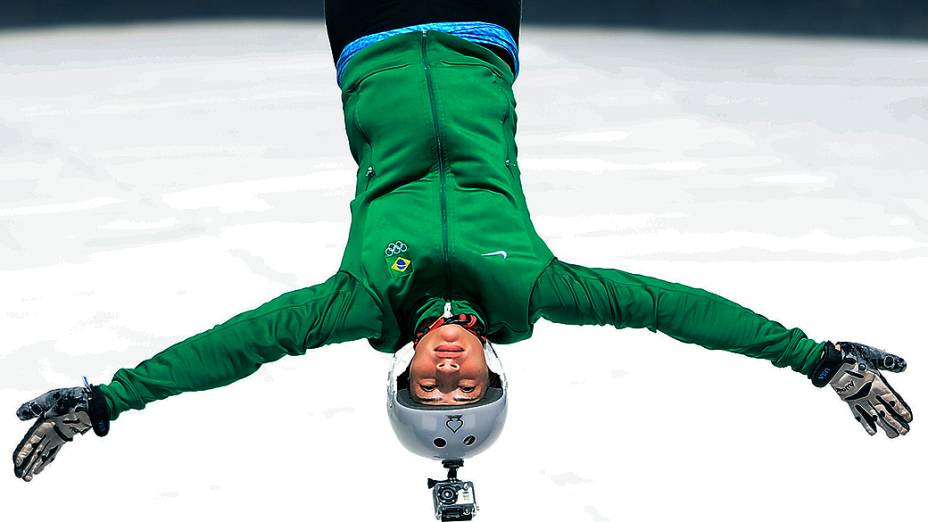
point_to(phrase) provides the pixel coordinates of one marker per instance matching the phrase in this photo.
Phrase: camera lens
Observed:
(468, 440)
(447, 495)
(439, 442)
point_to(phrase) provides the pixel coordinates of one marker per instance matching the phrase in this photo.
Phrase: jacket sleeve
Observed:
(335, 311)
(573, 294)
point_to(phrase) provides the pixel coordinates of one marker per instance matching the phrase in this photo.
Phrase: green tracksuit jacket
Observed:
(439, 216)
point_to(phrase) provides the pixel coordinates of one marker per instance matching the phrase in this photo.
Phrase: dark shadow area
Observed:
(868, 18)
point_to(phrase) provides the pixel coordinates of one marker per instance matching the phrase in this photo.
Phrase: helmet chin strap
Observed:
(467, 321)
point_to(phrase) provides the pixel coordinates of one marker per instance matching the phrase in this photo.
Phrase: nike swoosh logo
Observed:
(497, 253)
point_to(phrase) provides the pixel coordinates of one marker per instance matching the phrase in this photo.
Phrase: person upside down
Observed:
(442, 259)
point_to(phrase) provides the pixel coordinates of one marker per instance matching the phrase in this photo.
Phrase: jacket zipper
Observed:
(370, 162)
(370, 175)
(441, 166)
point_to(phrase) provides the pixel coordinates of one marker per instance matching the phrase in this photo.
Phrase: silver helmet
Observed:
(446, 432)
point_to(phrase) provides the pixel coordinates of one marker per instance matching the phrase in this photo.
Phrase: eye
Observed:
(427, 387)
(468, 389)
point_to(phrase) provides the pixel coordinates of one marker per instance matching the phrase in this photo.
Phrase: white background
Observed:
(157, 179)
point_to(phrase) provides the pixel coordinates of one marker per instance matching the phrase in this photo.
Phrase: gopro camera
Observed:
(453, 499)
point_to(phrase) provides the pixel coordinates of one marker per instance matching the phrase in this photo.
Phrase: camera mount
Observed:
(452, 467)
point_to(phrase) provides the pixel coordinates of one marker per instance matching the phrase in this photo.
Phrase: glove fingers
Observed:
(895, 409)
(29, 455)
(873, 357)
(886, 421)
(892, 363)
(54, 403)
(26, 447)
(31, 409)
(867, 419)
(36, 457)
(896, 402)
(47, 459)
(59, 400)
(890, 422)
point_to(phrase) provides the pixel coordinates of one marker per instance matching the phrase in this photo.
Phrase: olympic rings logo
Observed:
(396, 247)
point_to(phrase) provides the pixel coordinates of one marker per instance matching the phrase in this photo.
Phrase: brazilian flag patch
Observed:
(401, 264)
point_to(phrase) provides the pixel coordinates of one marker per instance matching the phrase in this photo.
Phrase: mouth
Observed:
(449, 351)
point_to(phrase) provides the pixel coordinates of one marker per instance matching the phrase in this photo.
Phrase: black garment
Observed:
(348, 20)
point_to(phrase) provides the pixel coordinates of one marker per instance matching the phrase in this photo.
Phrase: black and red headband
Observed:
(467, 321)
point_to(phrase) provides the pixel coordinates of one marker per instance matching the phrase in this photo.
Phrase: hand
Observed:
(857, 380)
(60, 415)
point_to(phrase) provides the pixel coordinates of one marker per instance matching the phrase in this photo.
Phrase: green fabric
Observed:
(573, 294)
(439, 216)
(432, 119)
(335, 311)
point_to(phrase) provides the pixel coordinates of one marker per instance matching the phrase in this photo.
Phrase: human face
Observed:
(449, 367)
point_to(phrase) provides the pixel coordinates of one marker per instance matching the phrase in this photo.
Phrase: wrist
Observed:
(827, 366)
(99, 416)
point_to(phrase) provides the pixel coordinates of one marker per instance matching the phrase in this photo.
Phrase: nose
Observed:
(448, 366)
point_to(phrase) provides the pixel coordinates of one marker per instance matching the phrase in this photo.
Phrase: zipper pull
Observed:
(447, 313)
(370, 172)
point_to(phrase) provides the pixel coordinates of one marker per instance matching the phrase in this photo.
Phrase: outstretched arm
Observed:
(335, 311)
(573, 294)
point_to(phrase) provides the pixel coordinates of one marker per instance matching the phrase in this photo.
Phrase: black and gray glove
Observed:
(60, 415)
(853, 370)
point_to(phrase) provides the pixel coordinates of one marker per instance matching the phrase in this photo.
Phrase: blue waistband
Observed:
(477, 32)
